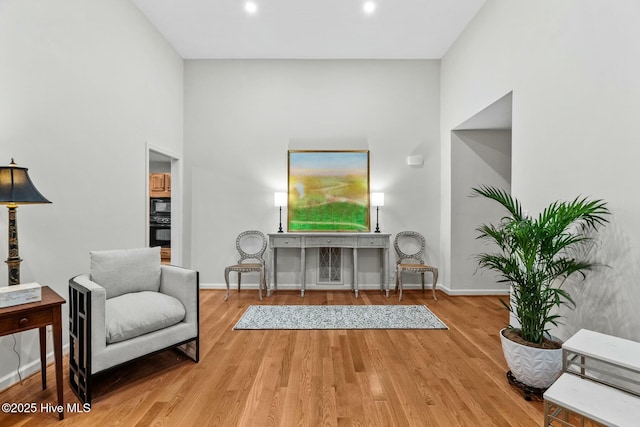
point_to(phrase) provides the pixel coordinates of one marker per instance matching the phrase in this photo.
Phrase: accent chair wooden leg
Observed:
(226, 279)
(400, 284)
(239, 280)
(266, 284)
(435, 280)
(397, 274)
(260, 283)
(422, 281)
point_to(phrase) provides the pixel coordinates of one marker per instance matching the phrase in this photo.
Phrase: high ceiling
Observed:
(310, 29)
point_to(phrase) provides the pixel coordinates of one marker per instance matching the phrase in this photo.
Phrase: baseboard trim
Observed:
(472, 292)
(29, 369)
(366, 287)
(291, 287)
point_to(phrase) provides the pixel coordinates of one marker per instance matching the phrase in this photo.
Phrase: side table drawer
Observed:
(17, 322)
(285, 242)
(373, 241)
(330, 241)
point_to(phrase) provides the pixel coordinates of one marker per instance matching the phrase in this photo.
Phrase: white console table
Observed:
(354, 241)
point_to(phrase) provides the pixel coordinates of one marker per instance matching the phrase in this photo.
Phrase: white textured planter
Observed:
(535, 367)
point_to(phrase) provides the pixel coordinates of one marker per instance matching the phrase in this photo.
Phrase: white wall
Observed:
(84, 85)
(241, 117)
(160, 167)
(573, 67)
(479, 157)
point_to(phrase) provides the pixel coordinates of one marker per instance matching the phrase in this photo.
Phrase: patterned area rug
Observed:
(339, 317)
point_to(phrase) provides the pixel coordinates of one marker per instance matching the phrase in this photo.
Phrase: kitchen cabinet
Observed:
(165, 255)
(159, 185)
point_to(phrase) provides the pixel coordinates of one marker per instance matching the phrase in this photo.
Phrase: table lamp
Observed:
(16, 189)
(280, 200)
(377, 200)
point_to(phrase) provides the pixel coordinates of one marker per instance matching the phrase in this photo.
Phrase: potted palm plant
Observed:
(536, 256)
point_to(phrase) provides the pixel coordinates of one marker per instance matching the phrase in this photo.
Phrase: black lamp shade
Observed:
(16, 187)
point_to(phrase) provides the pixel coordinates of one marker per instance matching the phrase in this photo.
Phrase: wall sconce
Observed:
(415, 161)
(16, 189)
(280, 200)
(377, 200)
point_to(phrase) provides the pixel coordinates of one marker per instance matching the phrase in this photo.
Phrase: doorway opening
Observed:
(164, 201)
(480, 155)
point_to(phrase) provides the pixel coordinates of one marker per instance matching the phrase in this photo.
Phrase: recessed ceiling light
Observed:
(251, 7)
(369, 7)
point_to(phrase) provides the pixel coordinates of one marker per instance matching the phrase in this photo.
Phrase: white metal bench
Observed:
(601, 382)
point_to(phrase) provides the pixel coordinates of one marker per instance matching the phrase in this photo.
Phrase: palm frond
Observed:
(535, 256)
(500, 196)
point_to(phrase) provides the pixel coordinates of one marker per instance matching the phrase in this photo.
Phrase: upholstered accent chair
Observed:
(127, 307)
(410, 247)
(251, 246)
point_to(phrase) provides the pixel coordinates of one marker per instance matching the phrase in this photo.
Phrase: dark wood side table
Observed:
(38, 315)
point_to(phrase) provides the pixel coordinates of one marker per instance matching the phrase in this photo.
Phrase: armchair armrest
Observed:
(96, 316)
(87, 332)
(182, 284)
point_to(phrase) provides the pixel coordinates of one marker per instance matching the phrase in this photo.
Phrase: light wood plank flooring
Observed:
(452, 377)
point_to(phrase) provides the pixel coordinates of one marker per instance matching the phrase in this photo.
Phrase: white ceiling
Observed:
(310, 29)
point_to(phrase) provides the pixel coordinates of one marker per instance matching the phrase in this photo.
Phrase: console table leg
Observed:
(385, 270)
(303, 272)
(43, 356)
(272, 272)
(355, 271)
(381, 254)
(57, 352)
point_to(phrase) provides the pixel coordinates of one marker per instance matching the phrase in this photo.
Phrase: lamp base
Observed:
(377, 224)
(280, 227)
(14, 270)
(13, 260)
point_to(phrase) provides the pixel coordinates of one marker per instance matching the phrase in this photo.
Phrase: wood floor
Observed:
(452, 377)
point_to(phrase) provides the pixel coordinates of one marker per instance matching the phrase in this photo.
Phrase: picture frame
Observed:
(328, 190)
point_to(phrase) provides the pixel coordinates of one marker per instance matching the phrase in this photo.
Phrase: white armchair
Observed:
(129, 306)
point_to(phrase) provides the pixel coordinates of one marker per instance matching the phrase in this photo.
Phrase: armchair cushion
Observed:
(134, 314)
(128, 270)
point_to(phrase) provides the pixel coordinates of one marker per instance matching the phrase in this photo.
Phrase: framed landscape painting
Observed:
(328, 190)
